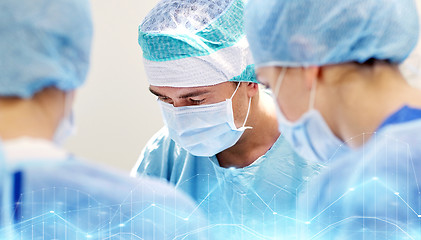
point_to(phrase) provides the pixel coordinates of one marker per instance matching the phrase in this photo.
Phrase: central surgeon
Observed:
(220, 143)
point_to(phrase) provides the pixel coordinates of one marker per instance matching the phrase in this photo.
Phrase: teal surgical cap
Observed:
(192, 43)
(43, 43)
(295, 33)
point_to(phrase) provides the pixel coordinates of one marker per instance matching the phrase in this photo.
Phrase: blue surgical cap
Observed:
(43, 43)
(295, 33)
(192, 43)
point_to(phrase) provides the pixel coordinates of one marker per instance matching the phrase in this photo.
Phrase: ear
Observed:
(311, 74)
(252, 89)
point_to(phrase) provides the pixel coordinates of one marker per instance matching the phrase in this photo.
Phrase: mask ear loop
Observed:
(235, 91)
(66, 127)
(67, 105)
(68, 111)
(313, 94)
(247, 116)
(248, 110)
(312, 91)
(279, 82)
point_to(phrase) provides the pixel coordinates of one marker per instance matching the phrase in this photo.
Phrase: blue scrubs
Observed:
(372, 192)
(68, 199)
(242, 203)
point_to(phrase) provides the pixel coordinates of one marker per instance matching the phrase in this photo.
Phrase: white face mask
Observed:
(203, 130)
(309, 136)
(66, 127)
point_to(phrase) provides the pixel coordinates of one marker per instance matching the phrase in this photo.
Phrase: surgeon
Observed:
(220, 143)
(342, 100)
(46, 192)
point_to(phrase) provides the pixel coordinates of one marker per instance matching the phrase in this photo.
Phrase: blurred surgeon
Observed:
(342, 100)
(47, 193)
(220, 143)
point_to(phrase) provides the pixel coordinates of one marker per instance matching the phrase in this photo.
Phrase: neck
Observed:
(359, 103)
(254, 142)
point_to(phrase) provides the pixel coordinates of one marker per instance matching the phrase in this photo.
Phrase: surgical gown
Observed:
(254, 202)
(50, 194)
(372, 192)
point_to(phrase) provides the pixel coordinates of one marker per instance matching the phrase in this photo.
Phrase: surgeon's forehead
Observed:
(178, 89)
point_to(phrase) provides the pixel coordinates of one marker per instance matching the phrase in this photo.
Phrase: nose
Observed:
(179, 103)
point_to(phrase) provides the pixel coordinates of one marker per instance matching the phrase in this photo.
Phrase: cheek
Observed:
(293, 101)
(240, 107)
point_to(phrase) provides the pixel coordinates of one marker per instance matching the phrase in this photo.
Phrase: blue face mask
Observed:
(310, 136)
(203, 130)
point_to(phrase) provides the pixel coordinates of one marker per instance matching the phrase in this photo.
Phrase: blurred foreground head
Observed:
(45, 52)
(44, 43)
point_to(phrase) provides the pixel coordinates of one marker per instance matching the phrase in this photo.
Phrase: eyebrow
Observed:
(188, 95)
(194, 94)
(156, 93)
